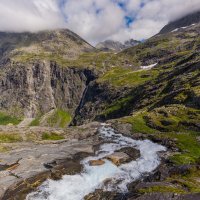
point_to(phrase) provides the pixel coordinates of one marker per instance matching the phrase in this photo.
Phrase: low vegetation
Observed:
(52, 136)
(127, 77)
(7, 119)
(168, 123)
(60, 118)
(10, 138)
(35, 122)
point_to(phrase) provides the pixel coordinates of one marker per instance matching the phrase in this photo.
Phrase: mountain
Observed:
(111, 45)
(59, 42)
(131, 43)
(32, 81)
(183, 22)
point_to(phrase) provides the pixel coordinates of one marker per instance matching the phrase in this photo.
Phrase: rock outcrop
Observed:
(111, 45)
(37, 88)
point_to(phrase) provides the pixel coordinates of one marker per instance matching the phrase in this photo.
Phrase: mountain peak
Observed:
(112, 45)
(61, 41)
(185, 21)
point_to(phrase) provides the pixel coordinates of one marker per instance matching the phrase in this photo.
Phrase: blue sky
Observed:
(94, 20)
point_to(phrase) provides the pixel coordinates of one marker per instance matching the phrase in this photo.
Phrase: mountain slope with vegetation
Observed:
(150, 91)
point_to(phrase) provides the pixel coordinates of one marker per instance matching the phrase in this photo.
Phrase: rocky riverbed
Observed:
(119, 168)
(93, 162)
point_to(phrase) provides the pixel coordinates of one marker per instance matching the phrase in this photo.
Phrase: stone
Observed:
(131, 152)
(96, 162)
(118, 158)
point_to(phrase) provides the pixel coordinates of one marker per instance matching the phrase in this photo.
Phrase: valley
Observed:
(57, 90)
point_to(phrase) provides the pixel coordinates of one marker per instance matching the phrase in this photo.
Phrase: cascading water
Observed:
(76, 187)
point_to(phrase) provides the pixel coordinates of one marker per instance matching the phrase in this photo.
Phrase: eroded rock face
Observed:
(31, 89)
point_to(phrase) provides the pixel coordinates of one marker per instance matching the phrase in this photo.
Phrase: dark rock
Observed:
(185, 21)
(134, 154)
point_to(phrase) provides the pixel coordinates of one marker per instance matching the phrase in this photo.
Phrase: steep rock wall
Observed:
(33, 89)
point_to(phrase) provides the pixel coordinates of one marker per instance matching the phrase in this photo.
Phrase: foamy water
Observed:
(75, 187)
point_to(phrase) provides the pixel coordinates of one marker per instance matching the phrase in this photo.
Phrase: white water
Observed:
(75, 187)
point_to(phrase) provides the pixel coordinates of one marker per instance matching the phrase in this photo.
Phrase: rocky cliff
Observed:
(37, 88)
(34, 79)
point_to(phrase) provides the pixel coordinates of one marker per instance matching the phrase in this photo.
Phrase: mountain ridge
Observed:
(112, 45)
(185, 21)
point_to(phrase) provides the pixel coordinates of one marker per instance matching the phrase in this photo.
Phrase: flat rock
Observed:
(118, 158)
(96, 162)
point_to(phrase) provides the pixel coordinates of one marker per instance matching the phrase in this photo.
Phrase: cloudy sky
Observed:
(94, 20)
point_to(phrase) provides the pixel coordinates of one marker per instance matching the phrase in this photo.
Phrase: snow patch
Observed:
(149, 66)
(184, 27)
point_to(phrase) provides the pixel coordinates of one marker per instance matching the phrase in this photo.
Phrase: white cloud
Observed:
(31, 15)
(94, 20)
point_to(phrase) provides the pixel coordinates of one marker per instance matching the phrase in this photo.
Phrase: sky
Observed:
(94, 20)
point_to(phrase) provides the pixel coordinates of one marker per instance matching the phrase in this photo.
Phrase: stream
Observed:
(76, 187)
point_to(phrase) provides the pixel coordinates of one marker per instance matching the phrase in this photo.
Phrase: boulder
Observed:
(131, 152)
(96, 162)
(119, 158)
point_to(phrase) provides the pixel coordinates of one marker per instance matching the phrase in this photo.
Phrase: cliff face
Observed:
(34, 79)
(37, 88)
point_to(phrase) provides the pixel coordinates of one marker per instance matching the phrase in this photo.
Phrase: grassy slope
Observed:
(173, 111)
(59, 118)
(7, 119)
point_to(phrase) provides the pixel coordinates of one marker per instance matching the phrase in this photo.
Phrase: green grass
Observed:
(127, 77)
(174, 118)
(52, 136)
(35, 122)
(120, 104)
(60, 118)
(190, 149)
(10, 138)
(162, 189)
(6, 119)
(186, 140)
(138, 123)
(190, 180)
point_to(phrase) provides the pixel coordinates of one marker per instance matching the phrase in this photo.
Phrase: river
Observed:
(76, 187)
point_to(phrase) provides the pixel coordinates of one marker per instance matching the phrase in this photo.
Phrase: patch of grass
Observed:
(6, 119)
(174, 118)
(127, 77)
(162, 189)
(189, 146)
(138, 123)
(52, 136)
(10, 138)
(60, 118)
(35, 122)
(186, 140)
(117, 106)
(190, 180)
